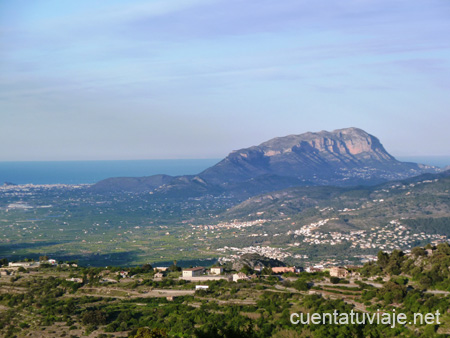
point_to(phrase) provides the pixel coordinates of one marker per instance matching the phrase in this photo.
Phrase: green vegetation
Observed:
(44, 300)
(427, 268)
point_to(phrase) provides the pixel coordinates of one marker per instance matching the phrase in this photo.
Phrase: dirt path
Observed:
(128, 294)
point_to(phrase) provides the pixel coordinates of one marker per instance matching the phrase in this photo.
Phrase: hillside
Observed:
(132, 184)
(339, 221)
(65, 300)
(425, 195)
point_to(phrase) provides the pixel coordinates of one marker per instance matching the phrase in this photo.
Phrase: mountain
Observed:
(343, 157)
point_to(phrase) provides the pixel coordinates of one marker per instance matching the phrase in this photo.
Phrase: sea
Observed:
(86, 172)
(437, 161)
(82, 172)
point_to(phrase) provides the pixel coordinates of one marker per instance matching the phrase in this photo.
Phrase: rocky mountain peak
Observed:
(308, 157)
(348, 141)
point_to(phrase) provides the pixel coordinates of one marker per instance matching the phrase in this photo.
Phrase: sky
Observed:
(112, 80)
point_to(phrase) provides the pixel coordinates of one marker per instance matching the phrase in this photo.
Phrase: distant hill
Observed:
(131, 184)
(344, 157)
(423, 201)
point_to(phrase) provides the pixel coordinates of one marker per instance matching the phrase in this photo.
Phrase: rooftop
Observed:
(194, 269)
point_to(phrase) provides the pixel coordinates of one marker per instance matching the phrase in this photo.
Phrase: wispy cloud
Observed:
(199, 61)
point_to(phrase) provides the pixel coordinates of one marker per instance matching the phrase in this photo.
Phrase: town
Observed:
(392, 236)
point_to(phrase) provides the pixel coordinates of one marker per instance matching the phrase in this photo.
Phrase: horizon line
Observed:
(178, 159)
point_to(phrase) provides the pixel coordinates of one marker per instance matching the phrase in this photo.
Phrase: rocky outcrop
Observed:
(254, 261)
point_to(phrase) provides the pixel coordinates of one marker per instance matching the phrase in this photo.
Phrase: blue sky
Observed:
(92, 80)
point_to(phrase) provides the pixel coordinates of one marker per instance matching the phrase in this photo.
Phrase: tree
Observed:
(395, 262)
(392, 292)
(173, 268)
(425, 281)
(334, 280)
(145, 332)
(418, 251)
(94, 317)
(383, 259)
(301, 285)
(147, 268)
(246, 269)
(443, 248)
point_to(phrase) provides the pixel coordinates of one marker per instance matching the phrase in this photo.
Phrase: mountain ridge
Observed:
(343, 157)
(304, 156)
(291, 201)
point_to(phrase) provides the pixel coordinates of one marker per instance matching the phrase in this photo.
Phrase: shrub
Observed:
(335, 280)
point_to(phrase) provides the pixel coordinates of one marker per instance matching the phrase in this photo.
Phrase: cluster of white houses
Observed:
(13, 267)
(190, 274)
(30, 265)
(197, 274)
(217, 273)
(198, 271)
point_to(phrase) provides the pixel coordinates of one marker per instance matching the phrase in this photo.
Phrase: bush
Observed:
(94, 317)
(144, 332)
(301, 285)
(335, 280)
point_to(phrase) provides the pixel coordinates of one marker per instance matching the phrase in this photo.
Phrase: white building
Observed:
(338, 272)
(216, 270)
(239, 276)
(24, 264)
(193, 272)
(161, 268)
